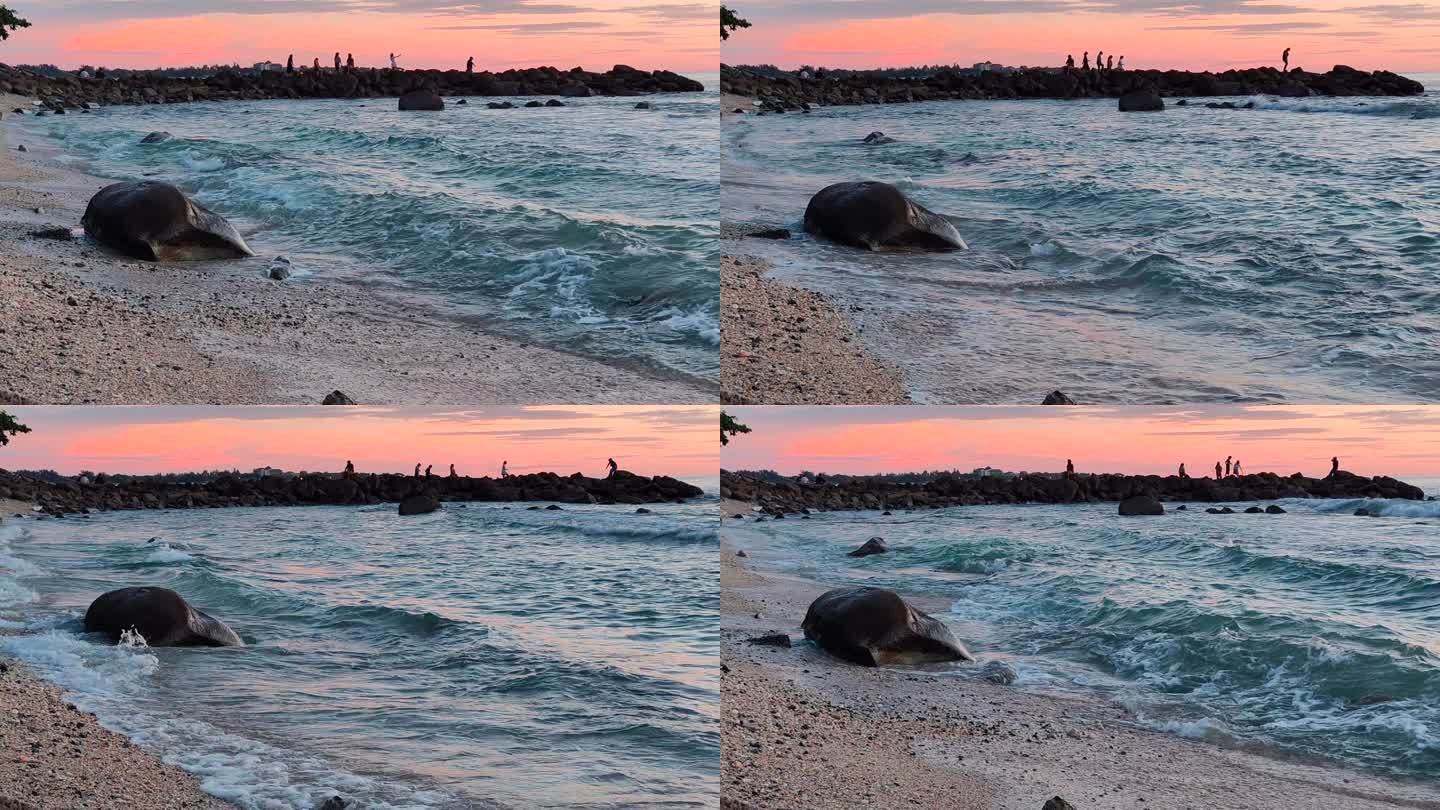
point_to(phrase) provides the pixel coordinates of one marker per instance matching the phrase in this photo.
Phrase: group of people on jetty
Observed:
(1230, 469)
(1101, 63)
(610, 469)
(349, 64)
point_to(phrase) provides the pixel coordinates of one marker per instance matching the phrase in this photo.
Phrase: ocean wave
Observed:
(371, 617)
(1383, 507)
(1417, 110)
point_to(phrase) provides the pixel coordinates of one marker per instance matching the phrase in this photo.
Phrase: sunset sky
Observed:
(594, 34)
(1369, 439)
(1188, 34)
(678, 441)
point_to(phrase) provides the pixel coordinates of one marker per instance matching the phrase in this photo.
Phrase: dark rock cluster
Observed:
(72, 93)
(789, 496)
(72, 495)
(790, 92)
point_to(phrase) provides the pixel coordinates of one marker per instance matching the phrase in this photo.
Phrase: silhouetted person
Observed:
(612, 467)
(1122, 63)
(470, 66)
(1069, 468)
(1227, 466)
(1285, 59)
(349, 469)
(1183, 474)
(417, 469)
(1334, 466)
(350, 63)
(290, 64)
(1085, 61)
(1237, 468)
(1110, 63)
(452, 471)
(393, 64)
(1100, 61)
(504, 469)
(1069, 61)
(428, 468)
(337, 61)
(1217, 471)
(317, 64)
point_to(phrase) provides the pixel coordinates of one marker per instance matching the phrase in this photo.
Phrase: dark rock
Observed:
(876, 138)
(337, 398)
(1254, 510)
(644, 105)
(157, 222)
(1141, 505)
(1057, 803)
(422, 101)
(877, 215)
(333, 803)
(1057, 397)
(157, 137)
(160, 615)
(461, 102)
(875, 627)
(875, 545)
(1362, 512)
(999, 672)
(772, 640)
(500, 105)
(59, 234)
(1141, 101)
(279, 268)
(770, 233)
(554, 507)
(1272, 509)
(554, 103)
(419, 504)
(741, 553)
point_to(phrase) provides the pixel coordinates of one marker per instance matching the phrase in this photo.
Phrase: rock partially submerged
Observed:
(157, 137)
(159, 615)
(1141, 101)
(419, 504)
(422, 101)
(877, 137)
(157, 222)
(875, 545)
(877, 215)
(1141, 505)
(875, 627)
(1057, 397)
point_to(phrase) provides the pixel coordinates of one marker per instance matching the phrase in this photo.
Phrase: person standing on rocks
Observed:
(1217, 471)
(417, 469)
(1285, 60)
(349, 470)
(1069, 61)
(1183, 474)
(1227, 466)
(1121, 66)
(1334, 466)
(1085, 62)
(393, 64)
(452, 471)
(470, 66)
(504, 469)
(612, 467)
(1110, 64)
(349, 63)
(290, 64)
(317, 65)
(1237, 468)
(428, 468)
(1100, 61)
(337, 61)
(1069, 468)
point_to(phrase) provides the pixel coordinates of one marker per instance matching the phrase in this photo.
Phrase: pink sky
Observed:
(594, 34)
(1401, 440)
(678, 441)
(1183, 34)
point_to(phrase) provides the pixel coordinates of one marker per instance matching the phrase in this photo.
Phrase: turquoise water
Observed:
(591, 228)
(475, 657)
(1285, 253)
(1266, 630)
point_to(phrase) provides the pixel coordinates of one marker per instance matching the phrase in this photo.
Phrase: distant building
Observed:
(985, 472)
(263, 67)
(266, 472)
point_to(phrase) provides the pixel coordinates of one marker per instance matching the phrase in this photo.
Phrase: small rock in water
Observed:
(875, 545)
(337, 398)
(1057, 397)
(554, 507)
(333, 803)
(999, 672)
(1362, 512)
(1254, 510)
(878, 137)
(554, 103)
(644, 105)
(21, 148)
(279, 268)
(1272, 509)
(157, 137)
(642, 511)
(741, 552)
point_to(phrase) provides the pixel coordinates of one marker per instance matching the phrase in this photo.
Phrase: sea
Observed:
(482, 656)
(1312, 635)
(590, 228)
(1289, 252)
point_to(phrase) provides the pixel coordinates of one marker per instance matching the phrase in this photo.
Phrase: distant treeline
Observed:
(193, 72)
(201, 477)
(913, 72)
(922, 477)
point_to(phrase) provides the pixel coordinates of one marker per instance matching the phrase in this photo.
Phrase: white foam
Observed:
(199, 164)
(1384, 507)
(165, 553)
(1043, 249)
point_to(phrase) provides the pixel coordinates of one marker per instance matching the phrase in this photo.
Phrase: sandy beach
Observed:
(85, 325)
(804, 730)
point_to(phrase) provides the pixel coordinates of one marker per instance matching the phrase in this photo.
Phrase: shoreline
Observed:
(60, 756)
(223, 333)
(947, 737)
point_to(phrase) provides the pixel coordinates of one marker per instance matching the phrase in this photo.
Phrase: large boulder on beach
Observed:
(419, 504)
(877, 215)
(1141, 101)
(157, 222)
(161, 616)
(1141, 505)
(422, 101)
(875, 627)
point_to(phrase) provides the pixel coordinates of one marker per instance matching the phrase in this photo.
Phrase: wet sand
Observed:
(805, 730)
(82, 324)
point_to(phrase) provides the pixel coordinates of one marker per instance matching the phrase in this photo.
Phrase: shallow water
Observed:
(474, 657)
(1291, 252)
(1255, 629)
(590, 228)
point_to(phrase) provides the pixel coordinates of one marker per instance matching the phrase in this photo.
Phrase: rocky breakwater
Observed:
(58, 94)
(72, 495)
(790, 497)
(790, 91)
